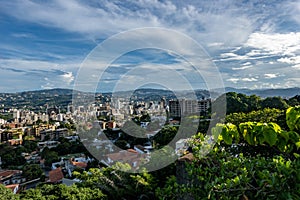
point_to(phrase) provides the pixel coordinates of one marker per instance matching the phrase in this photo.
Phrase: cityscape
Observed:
(149, 99)
(49, 141)
(50, 128)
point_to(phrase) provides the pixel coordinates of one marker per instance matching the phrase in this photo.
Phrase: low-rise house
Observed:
(70, 164)
(51, 134)
(14, 187)
(8, 177)
(49, 144)
(81, 165)
(56, 175)
(129, 156)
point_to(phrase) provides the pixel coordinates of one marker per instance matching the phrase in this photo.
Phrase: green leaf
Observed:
(294, 137)
(226, 136)
(293, 118)
(297, 145)
(216, 131)
(233, 131)
(296, 155)
(285, 135)
(270, 133)
(248, 132)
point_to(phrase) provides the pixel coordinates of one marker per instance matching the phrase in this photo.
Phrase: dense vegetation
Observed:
(252, 160)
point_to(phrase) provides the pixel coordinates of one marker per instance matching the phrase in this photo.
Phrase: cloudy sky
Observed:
(252, 44)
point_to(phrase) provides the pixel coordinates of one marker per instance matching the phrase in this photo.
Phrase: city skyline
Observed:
(254, 44)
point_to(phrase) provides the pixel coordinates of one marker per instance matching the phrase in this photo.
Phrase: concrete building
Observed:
(185, 107)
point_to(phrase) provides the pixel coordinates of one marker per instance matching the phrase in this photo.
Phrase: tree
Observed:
(293, 118)
(7, 194)
(62, 191)
(165, 135)
(274, 102)
(117, 183)
(266, 115)
(50, 156)
(121, 144)
(12, 158)
(30, 145)
(32, 171)
(294, 101)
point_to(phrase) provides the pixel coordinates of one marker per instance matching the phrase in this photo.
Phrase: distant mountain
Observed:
(284, 92)
(39, 100)
(46, 92)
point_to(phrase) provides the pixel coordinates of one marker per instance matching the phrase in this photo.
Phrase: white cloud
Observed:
(249, 79)
(294, 10)
(232, 56)
(276, 44)
(290, 60)
(296, 66)
(251, 28)
(213, 25)
(29, 75)
(242, 67)
(68, 77)
(242, 79)
(234, 80)
(270, 76)
(246, 63)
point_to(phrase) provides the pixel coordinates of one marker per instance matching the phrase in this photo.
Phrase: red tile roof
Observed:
(8, 173)
(128, 156)
(55, 175)
(80, 164)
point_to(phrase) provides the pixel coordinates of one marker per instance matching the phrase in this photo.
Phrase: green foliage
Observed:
(228, 133)
(145, 118)
(69, 147)
(274, 102)
(11, 156)
(30, 146)
(236, 103)
(294, 101)
(220, 175)
(254, 158)
(265, 115)
(260, 133)
(134, 129)
(121, 144)
(119, 184)
(165, 135)
(161, 158)
(7, 194)
(293, 118)
(32, 171)
(61, 191)
(50, 156)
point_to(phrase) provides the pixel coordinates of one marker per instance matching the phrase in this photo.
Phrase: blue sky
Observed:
(254, 44)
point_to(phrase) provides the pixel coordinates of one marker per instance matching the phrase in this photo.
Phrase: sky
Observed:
(252, 44)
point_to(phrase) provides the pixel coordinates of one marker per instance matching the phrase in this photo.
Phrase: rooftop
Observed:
(55, 175)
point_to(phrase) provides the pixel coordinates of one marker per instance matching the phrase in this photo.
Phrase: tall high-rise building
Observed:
(184, 107)
(16, 114)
